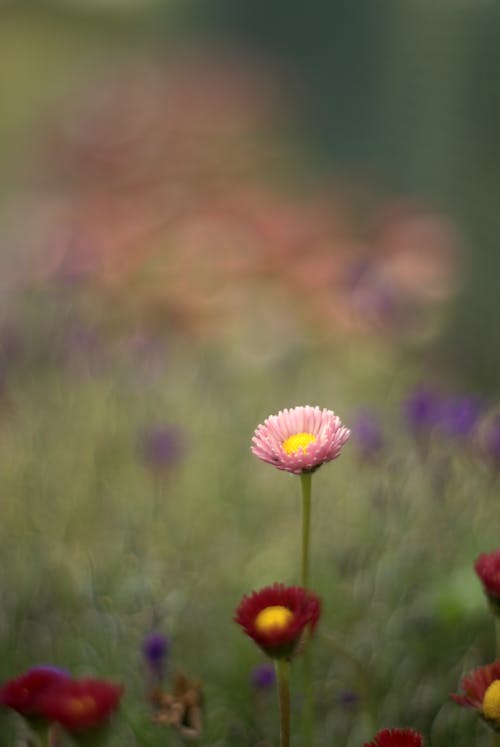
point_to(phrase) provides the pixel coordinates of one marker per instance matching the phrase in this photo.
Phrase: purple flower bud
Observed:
(50, 668)
(263, 676)
(161, 447)
(422, 410)
(155, 648)
(491, 443)
(348, 699)
(367, 434)
(460, 415)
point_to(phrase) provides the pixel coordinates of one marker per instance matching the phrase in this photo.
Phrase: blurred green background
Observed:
(209, 212)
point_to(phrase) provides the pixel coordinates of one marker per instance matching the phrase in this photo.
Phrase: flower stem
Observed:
(41, 730)
(305, 482)
(496, 620)
(308, 709)
(282, 676)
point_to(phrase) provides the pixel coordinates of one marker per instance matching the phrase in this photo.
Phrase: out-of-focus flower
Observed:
(419, 252)
(279, 618)
(81, 705)
(263, 676)
(487, 567)
(161, 447)
(396, 738)
(491, 443)
(156, 647)
(422, 410)
(348, 699)
(367, 434)
(301, 439)
(482, 693)
(23, 693)
(460, 415)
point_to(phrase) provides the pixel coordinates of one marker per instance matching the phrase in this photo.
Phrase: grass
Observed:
(97, 550)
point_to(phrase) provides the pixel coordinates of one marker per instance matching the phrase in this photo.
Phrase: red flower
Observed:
(279, 618)
(487, 567)
(476, 685)
(80, 705)
(23, 693)
(396, 738)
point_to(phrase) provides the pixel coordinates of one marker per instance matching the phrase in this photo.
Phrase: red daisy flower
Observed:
(487, 567)
(482, 693)
(279, 618)
(396, 738)
(23, 693)
(80, 705)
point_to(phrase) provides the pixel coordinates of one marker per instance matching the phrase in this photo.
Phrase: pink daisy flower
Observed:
(300, 439)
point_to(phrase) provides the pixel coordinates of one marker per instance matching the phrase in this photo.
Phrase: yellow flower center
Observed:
(80, 706)
(273, 619)
(298, 441)
(491, 701)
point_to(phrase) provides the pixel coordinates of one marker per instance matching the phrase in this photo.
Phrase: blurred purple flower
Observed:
(263, 676)
(155, 648)
(348, 699)
(161, 447)
(460, 415)
(367, 434)
(422, 410)
(49, 668)
(491, 443)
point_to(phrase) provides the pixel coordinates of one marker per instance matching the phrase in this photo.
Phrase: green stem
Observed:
(41, 729)
(308, 709)
(497, 635)
(305, 482)
(495, 739)
(282, 676)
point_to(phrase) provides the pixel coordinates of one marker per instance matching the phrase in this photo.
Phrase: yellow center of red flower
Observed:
(491, 701)
(82, 706)
(297, 442)
(273, 619)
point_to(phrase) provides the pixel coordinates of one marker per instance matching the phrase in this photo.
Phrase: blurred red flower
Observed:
(24, 693)
(396, 738)
(487, 567)
(80, 705)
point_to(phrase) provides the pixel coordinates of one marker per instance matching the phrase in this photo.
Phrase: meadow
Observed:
(102, 542)
(168, 282)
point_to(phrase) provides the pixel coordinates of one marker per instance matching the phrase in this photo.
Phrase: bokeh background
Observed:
(209, 212)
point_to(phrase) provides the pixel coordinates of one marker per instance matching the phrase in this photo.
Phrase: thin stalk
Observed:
(305, 483)
(497, 634)
(41, 730)
(308, 708)
(282, 676)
